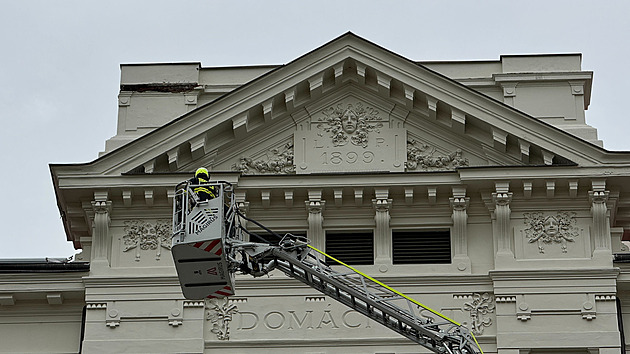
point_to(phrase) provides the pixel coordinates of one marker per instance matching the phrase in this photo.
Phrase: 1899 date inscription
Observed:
(350, 157)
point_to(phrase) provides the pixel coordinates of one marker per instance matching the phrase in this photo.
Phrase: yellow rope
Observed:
(394, 291)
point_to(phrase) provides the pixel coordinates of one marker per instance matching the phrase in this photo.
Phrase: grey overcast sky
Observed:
(59, 68)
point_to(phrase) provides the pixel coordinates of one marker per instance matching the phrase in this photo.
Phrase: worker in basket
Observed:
(201, 187)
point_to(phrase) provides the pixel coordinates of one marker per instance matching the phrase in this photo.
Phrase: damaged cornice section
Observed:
(160, 87)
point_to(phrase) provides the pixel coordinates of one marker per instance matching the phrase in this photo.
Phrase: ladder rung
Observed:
(375, 301)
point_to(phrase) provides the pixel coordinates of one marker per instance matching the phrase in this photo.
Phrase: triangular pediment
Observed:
(402, 117)
(353, 129)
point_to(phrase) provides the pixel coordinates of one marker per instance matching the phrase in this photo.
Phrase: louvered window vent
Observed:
(353, 248)
(422, 247)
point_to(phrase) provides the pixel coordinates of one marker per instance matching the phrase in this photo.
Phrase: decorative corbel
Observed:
(338, 193)
(409, 195)
(358, 196)
(176, 316)
(432, 194)
(288, 197)
(523, 312)
(589, 312)
(113, 318)
(265, 196)
(523, 309)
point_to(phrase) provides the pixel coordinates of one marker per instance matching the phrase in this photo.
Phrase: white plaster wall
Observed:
(232, 75)
(32, 327)
(548, 101)
(542, 63)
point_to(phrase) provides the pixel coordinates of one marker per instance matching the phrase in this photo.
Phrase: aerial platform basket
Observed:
(198, 244)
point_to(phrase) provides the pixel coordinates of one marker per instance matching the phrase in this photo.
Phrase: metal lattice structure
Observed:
(209, 247)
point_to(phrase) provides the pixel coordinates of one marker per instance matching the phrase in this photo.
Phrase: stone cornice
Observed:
(42, 282)
(118, 281)
(270, 181)
(555, 274)
(492, 173)
(477, 173)
(543, 76)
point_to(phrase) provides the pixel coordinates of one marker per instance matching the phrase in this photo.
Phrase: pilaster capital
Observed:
(382, 204)
(102, 207)
(191, 97)
(502, 198)
(124, 98)
(315, 206)
(509, 89)
(598, 197)
(577, 88)
(243, 207)
(459, 203)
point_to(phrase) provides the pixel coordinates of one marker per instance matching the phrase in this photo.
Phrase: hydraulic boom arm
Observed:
(207, 260)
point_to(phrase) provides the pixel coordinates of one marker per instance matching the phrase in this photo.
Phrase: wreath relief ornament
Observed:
(546, 230)
(350, 124)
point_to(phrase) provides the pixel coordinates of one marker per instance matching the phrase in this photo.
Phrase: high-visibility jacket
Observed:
(204, 192)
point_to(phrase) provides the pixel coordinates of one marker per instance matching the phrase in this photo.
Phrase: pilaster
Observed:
(315, 207)
(382, 232)
(459, 234)
(509, 92)
(598, 198)
(101, 242)
(501, 215)
(577, 90)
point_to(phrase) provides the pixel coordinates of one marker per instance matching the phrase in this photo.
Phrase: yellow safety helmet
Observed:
(202, 171)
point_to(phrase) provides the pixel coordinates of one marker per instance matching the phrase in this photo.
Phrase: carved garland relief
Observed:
(423, 156)
(551, 229)
(143, 235)
(277, 161)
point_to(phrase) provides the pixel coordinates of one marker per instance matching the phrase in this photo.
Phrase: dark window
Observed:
(353, 248)
(422, 247)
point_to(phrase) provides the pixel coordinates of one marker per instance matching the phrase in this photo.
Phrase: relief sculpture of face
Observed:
(551, 226)
(349, 121)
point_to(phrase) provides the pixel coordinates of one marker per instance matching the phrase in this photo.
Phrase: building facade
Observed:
(476, 188)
